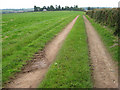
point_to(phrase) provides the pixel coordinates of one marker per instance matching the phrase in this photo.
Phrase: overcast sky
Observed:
(81, 3)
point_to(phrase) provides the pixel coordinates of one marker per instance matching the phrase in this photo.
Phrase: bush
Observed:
(108, 17)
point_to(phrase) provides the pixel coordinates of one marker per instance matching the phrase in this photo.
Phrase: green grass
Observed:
(27, 33)
(107, 37)
(0, 66)
(71, 68)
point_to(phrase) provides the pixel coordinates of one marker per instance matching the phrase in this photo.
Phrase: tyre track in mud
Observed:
(104, 69)
(34, 72)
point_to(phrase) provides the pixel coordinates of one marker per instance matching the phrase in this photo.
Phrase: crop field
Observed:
(26, 33)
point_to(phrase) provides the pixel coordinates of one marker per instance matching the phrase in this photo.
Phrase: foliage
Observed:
(109, 17)
(58, 8)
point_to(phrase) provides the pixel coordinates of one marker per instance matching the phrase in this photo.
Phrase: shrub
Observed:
(108, 17)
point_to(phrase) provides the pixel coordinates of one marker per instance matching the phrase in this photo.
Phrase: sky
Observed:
(17, 4)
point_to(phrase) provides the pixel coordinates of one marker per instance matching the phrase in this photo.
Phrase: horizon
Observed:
(31, 3)
(54, 6)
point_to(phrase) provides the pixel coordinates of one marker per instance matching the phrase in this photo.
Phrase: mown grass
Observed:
(107, 37)
(27, 33)
(71, 68)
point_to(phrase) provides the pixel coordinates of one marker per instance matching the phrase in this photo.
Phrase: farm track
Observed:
(104, 69)
(35, 71)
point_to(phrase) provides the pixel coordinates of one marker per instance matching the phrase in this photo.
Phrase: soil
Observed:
(104, 69)
(35, 70)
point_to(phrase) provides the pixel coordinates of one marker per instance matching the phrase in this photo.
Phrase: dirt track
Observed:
(105, 72)
(35, 71)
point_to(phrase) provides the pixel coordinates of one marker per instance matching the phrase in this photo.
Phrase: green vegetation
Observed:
(26, 33)
(0, 50)
(109, 17)
(71, 68)
(108, 38)
(58, 8)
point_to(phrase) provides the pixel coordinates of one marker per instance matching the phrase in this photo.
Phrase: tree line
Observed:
(58, 8)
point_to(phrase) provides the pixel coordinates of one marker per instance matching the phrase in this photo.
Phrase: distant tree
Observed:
(71, 8)
(67, 8)
(52, 8)
(56, 7)
(44, 7)
(59, 7)
(76, 6)
(48, 8)
(62, 8)
(89, 8)
(35, 8)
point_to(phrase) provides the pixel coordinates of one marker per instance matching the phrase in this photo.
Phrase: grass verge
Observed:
(71, 68)
(110, 41)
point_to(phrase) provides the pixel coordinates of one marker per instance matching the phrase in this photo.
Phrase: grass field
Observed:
(110, 41)
(71, 68)
(26, 33)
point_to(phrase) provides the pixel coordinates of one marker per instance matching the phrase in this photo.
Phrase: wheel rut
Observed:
(35, 70)
(104, 69)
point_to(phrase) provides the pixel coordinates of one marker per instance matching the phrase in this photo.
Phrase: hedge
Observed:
(108, 17)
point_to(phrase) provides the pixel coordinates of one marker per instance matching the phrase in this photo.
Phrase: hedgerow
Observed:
(108, 17)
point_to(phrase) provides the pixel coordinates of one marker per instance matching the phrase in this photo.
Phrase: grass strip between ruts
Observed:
(71, 68)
